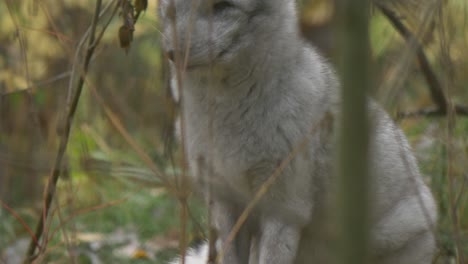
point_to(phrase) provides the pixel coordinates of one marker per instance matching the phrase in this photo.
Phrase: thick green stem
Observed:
(353, 188)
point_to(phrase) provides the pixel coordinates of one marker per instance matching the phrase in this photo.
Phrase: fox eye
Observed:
(221, 6)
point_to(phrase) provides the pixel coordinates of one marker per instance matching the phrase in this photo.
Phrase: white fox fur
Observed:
(252, 91)
(195, 256)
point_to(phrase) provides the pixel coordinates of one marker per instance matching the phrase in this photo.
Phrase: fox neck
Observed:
(261, 64)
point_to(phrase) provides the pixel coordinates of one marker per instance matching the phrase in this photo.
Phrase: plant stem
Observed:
(54, 176)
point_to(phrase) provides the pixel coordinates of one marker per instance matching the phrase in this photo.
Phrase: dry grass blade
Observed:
(24, 57)
(128, 138)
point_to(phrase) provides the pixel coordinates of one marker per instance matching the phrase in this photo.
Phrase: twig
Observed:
(435, 87)
(36, 85)
(451, 195)
(65, 235)
(78, 49)
(454, 213)
(87, 210)
(182, 181)
(23, 223)
(459, 110)
(54, 176)
(434, 84)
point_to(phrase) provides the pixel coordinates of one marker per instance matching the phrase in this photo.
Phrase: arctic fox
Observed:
(251, 91)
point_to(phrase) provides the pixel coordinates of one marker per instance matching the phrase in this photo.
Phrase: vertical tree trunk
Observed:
(353, 60)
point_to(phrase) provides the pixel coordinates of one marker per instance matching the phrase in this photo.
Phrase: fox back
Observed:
(252, 92)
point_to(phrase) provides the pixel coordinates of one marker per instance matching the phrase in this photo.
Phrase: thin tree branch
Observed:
(459, 110)
(54, 176)
(434, 84)
(435, 87)
(22, 222)
(37, 84)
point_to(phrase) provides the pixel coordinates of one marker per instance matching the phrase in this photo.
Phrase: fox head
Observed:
(202, 33)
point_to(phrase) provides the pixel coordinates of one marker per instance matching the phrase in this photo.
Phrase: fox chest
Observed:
(233, 157)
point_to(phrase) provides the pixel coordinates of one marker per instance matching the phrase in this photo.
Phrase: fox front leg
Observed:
(279, 242)
(225, 216)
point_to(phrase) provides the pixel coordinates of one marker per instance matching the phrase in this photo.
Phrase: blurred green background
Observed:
(109, 206)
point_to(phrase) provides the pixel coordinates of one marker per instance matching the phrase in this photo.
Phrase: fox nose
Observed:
(170, 55)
